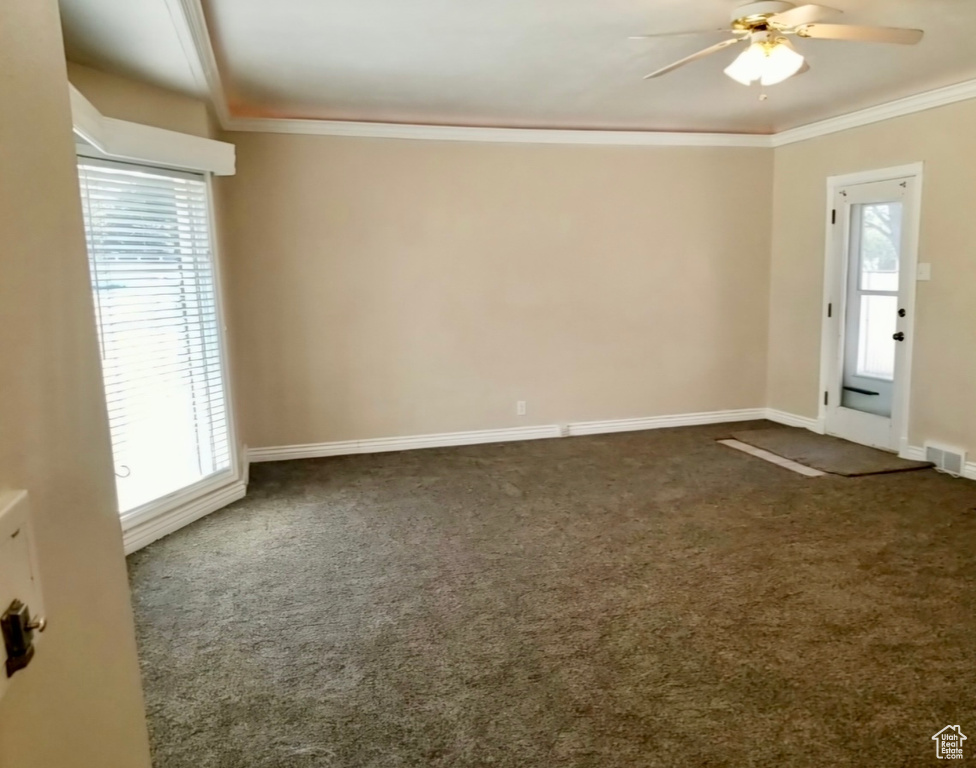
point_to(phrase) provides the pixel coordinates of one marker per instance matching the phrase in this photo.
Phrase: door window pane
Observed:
(871, 315)
(879, 246)
(876, 347)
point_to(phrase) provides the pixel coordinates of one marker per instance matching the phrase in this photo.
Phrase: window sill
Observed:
(146, 524)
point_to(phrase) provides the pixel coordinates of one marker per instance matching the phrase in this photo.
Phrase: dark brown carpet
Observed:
(826, 453)
(641, 599)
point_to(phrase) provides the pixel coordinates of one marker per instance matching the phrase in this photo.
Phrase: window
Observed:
(878, 232)
(153, 279)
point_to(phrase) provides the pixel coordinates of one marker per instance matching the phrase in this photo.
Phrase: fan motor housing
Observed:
(748, 17)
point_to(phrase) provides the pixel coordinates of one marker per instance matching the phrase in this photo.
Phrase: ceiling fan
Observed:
(770, 57)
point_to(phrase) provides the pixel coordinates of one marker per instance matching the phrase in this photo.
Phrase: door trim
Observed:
(834, 268)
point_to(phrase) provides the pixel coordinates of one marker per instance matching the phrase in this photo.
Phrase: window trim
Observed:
(106, 138)
(175, 500)
(128, 142)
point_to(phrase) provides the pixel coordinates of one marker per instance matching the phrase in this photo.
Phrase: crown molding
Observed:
(191, 26)
(494, 135)
(199, 48)
(909, 105)
(939, 97)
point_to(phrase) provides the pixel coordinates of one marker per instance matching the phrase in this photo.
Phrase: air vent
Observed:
(946, 459)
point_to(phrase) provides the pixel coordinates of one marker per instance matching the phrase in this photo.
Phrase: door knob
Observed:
(18, 627)
(899, 336)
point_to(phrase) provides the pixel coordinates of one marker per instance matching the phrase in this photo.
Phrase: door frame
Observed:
(835, 283)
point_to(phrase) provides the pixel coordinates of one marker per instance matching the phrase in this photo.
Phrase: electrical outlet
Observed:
(520, 408)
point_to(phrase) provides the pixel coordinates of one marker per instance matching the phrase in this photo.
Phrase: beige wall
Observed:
(360, 272)
(943, 395)
(387, 288)
(137, 102)
(78, 704)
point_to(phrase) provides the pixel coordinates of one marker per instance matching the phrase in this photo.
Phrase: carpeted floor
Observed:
(639, 599)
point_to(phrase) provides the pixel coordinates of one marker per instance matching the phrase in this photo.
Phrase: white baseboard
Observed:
(912, 453)
(146, 532)
(406, 443)
(792, 420)
(663, 422)
(917, 453)
(448, 439)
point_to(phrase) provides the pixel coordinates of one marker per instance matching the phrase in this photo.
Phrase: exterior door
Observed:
(874, 265)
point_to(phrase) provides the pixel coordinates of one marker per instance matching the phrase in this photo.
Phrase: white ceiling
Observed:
(516, 63)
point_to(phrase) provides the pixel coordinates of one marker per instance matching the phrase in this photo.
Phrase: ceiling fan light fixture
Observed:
(747, 67)
(782, 62)
(769, 61)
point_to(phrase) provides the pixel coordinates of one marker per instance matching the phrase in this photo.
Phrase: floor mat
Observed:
(772, 458)
(826, 453)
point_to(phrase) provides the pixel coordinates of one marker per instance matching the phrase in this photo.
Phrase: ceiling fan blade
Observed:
(856, 34)
(679, 34)
(802, 14)
(694, 57)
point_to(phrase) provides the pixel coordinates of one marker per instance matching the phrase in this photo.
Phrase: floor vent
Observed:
(948, 460)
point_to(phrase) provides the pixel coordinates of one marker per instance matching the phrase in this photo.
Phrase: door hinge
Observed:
(833, 216)
(826, 398)
(830, 310)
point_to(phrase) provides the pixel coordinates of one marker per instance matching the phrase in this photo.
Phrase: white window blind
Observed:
(152, 273)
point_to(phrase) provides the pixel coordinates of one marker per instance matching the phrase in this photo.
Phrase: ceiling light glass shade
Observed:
(770, 63)
(747, 67)
(781, 62)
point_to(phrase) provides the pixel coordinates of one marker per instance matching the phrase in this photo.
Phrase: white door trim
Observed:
(834, 269)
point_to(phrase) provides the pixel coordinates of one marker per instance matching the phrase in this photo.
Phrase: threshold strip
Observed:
(772, 458)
